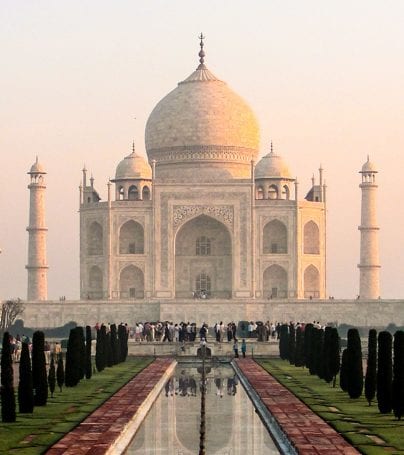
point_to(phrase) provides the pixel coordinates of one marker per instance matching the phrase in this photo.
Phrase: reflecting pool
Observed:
(172, 425)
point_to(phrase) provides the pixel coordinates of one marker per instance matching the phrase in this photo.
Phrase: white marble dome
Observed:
(368, 167)
(202, 120)
(133, 166)
(272, 166)
(37, 168)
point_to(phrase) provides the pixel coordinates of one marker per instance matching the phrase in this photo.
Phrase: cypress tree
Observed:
(318, 359)
(307, 344)
(52, 375)
(292, 343)
(73, 359)
(370, 377)
(39, 379)
(60, 372)
(7, 382)
(334, 359)
(343, 379)
(123, 338)
(312, 350)
(299, 352)
(398, 378)
(354, 361)
(100, 349)
(284, 342)
(384, 372)
(327, 375)
(88, 352)
(114, 345)
(25, 388)
(108, 350)
(81, 346)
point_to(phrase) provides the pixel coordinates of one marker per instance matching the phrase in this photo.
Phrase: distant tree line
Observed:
(34, 379)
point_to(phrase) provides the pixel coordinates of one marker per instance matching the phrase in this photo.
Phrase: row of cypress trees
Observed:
(312, 347)
(111, 348)
(385, 372)
(33, 382)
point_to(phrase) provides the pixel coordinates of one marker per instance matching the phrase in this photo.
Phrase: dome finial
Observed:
(201, 52)
(133, 146)
(272, 147)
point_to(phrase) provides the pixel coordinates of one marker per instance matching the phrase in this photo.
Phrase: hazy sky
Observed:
(78, 80)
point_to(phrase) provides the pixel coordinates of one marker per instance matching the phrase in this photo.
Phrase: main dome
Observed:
(202, 121)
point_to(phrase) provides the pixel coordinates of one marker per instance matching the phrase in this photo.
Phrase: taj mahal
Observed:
(204, 229)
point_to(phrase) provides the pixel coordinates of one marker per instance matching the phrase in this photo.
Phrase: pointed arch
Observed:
(146, 193)
(131, 283)
(260, 192)
(131, 238)
(275, 238)
(121, 193)
(133, 193)
(273, 192)
(275, 282)
(311, 239)
(285, 192)
(203, 246)
(95, 283)
(94, 239)
(311, 282)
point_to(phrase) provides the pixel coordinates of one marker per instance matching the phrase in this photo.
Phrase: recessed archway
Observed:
(311, 282)
(203, 246)
(131, 283)
(275, 282)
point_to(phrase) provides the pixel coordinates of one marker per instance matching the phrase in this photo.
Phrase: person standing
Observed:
(243, 347)
(235, 348)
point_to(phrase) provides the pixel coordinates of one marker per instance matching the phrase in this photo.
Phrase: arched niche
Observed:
(210, 237)
(275, 282)
(131, 238)
(95, 283)
(131, 283)
(311, 282)
(311, 241)
(94, 239)
(273, 192)
(133, 193)
(275, 238)
(146, 193)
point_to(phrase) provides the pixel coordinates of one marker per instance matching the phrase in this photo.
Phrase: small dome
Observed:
(37, 168)
(368, 167)
(272, 166)
(133, 166)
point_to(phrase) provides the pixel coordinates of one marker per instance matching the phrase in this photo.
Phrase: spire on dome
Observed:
(272, 148)
(133, 146)
(201, 52)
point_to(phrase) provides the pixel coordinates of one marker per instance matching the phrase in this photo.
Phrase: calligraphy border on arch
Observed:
(182, 213)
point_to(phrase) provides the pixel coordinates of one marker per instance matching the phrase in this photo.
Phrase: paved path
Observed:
(309, 434)
(100, 430)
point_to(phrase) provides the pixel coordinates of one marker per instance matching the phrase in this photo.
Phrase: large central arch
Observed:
(203, 250)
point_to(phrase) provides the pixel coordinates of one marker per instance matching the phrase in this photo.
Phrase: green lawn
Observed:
(362, 425)
(34, 433)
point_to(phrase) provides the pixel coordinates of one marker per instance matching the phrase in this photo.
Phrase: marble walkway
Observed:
(309, 434)
(98, 432)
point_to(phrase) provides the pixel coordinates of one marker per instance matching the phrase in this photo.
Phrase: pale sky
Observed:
(79, 79)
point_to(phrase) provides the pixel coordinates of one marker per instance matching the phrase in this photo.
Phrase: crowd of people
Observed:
(16, 347)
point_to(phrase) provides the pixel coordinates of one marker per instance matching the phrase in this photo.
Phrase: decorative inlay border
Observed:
(182, 213)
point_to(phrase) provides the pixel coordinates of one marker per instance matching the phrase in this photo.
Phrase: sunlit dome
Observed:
(133, 166)
(272, 166)
(202, 119)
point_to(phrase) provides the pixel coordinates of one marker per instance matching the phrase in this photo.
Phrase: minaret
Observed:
(37, 266)
(369, 267)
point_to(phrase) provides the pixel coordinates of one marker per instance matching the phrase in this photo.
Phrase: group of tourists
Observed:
(16, 348)
(185, 385)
